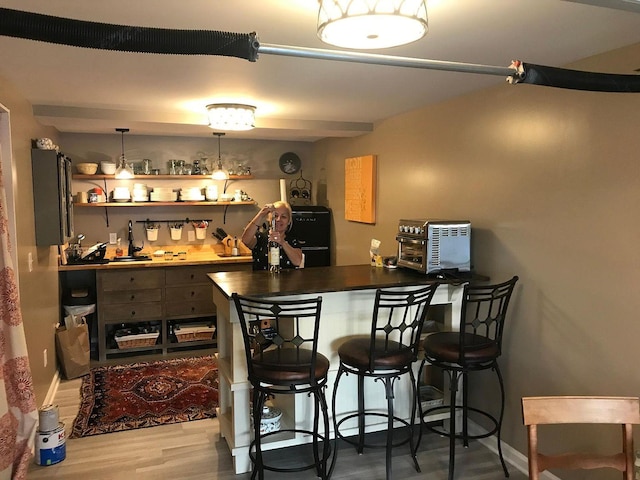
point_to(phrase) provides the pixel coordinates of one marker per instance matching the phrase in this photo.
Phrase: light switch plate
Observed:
(191, 236)
(113, 238)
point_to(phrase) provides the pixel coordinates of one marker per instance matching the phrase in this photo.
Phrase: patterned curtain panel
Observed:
(18, 412)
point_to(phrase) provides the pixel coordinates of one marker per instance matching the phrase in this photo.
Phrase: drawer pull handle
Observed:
(132, 279)
(133, 313)
(133, 297)
(192, 276)
(193, 309)
(193, 293)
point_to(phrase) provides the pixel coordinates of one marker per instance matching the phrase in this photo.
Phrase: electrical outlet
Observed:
(191, 236)
(30, 261)
(113, 238)
(45, 357)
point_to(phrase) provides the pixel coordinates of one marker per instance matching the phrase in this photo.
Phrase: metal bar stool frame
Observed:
(477, 346)
(385, 355)
(282, 364)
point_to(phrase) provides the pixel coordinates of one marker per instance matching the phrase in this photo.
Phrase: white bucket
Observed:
(176, 233)
(48, 418)
(50, 446)
(201, 233)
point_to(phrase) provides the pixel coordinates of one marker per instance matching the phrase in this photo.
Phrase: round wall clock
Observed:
(289, 163)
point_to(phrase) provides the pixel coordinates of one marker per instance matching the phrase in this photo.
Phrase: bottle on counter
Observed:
(119, 251)
(274, 251)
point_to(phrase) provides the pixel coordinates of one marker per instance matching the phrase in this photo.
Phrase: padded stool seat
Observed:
(385, 355)
(477, 346)
(285, 362)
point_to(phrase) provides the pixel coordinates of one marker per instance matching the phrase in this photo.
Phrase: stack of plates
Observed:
(191, 194)
(140, 193)
(121, 194)
(163, 194)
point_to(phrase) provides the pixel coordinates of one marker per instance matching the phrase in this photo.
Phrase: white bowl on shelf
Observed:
(108, 168)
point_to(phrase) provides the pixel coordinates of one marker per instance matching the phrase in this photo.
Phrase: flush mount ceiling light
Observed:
(370, 24)
(231, 116)
(123, 171)
(219, 173)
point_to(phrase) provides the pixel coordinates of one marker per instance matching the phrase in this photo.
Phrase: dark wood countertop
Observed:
(315, 280)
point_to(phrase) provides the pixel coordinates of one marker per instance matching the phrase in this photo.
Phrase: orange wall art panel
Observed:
(360, 189)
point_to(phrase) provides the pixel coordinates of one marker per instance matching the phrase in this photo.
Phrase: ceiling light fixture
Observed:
(231, 116)
(123, 171)
(370, 24)
(219, 173)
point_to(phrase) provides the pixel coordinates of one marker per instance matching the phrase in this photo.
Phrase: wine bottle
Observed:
(274, 251)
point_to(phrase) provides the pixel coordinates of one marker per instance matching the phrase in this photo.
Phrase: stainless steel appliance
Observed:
(312, 228)
(431, 246)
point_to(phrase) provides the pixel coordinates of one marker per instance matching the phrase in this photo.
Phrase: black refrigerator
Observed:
(312, 228)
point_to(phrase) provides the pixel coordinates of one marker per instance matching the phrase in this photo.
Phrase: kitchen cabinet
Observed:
(159, 299)
(52, 197)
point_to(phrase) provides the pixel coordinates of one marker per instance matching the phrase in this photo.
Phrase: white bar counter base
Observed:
(348, 294)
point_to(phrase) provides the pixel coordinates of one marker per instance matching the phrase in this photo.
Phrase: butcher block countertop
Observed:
(195, 256)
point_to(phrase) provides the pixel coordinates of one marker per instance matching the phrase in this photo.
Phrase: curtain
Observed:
(18, 411)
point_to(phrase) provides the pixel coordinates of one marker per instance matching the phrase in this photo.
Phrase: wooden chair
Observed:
(624, 411)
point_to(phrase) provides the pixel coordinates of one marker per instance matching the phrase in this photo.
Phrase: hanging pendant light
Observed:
(231, 116)
(219, 173)
(370, 24)
(124, 171)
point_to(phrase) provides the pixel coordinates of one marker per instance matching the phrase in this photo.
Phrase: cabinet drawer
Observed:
(189, 293)
(188, 275)
(131, 279)
(132, 296)
(204, 307)
(122, 312)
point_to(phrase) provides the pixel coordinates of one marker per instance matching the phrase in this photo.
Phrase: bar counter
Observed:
(348, 294)
(315, 280)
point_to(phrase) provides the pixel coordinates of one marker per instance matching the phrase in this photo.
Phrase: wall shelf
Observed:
(78, 176)
(161, 204)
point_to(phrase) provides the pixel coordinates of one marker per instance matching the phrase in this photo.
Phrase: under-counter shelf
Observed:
(161, 204)
(79, 176)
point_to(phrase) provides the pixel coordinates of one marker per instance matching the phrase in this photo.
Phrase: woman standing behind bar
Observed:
(257, 238)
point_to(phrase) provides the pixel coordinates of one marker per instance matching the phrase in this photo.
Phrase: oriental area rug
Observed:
(146, 394)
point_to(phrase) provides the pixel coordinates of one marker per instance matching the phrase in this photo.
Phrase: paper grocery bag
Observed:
(73, 350)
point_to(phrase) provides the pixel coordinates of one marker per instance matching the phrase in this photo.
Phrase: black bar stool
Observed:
(475, 347)
(384, 355)
(283, 359)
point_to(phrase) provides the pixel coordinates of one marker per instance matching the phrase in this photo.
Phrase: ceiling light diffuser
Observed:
(371, 24)
(231, 116)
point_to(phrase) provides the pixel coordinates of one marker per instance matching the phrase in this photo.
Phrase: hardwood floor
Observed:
(195, 451)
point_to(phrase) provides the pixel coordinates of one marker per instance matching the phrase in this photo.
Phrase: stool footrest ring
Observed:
(290, 469)
(366, 445)
(447, 408)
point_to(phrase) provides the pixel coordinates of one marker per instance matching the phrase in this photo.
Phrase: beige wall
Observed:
(39, 288)
(550, 181)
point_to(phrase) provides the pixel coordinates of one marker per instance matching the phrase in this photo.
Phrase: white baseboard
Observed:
(510, 454)
(53, 389)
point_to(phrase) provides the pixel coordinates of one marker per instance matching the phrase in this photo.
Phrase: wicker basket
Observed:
(139, 340)
(194, 333)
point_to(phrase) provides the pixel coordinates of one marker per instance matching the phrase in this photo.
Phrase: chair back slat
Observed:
(623, 411)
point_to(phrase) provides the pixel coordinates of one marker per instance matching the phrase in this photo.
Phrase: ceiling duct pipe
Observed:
(79, 33)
